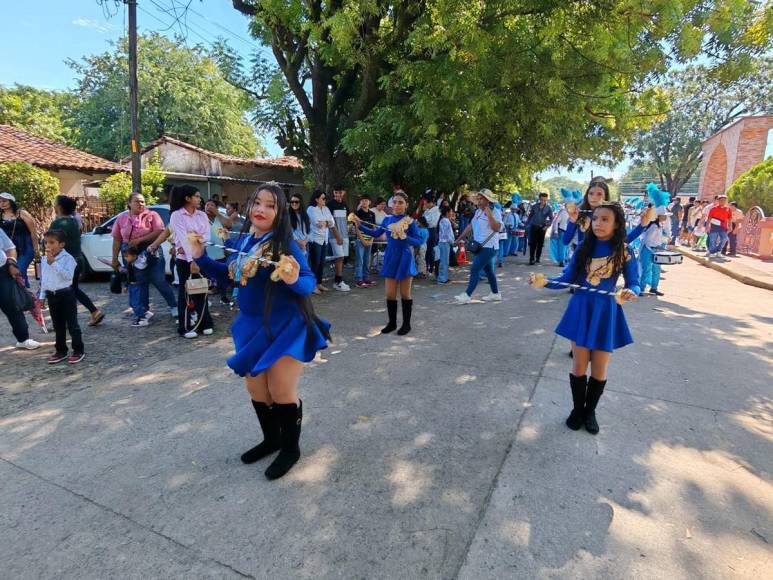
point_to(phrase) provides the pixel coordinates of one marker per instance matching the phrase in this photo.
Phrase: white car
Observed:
(97, 246)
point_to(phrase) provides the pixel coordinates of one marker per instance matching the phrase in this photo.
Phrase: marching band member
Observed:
(399, 265)
(595, 323)
(276, 330)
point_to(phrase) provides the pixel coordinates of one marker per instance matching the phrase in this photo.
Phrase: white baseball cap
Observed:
(8, 196)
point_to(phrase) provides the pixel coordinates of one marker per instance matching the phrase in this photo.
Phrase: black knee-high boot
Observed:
(578, 384)
(290, 418)
(269, 423)
(407, 311)
(392, 314)
(595, 388)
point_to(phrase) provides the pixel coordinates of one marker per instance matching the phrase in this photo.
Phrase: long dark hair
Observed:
(179, 194)
(315, 196)
(280, 243)
(617, 258)
(300, 215)
(585, 209)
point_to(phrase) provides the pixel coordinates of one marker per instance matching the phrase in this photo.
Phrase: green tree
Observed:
(115, 190)
(700, 103)
(42, 113)
(448, 92)
(755, 187)
(182, 94)
(35, 189)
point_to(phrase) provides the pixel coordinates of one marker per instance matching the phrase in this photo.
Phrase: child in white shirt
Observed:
(57, 271)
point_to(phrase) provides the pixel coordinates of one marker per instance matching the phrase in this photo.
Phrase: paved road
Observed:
(438, 455)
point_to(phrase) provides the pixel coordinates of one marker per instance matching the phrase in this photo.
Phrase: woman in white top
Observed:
(321, 222)
(485, 226)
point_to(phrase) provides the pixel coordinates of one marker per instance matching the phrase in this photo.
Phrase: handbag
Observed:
(474, 247)
(116, 284)
(23, 299)
(198, 285)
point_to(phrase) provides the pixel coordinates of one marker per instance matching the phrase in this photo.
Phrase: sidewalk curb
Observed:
(727, 272)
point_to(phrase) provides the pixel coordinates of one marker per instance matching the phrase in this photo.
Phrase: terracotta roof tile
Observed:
(19, 146)
(289, 162)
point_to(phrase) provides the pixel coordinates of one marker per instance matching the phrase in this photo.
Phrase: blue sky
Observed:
(36, 38)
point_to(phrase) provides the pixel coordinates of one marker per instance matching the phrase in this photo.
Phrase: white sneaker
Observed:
(463, 298)
(191, 334)
(341, 286)
(149, 315)
(173, 312)
(491, 297)
(28, 344)
(207, 331)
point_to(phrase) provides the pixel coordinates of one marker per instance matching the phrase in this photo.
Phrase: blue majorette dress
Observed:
(399, 262)
(596, 321)
(290, 333)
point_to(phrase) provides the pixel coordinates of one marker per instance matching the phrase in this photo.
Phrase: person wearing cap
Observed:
(19, 225)
(484, 226)
(8, 273)
(718, 221)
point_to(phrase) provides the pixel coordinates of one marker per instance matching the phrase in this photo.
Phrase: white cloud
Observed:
(93, 24)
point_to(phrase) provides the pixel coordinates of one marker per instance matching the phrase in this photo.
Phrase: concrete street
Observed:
(439, 455)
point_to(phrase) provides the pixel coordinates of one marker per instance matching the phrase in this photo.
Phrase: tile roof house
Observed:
(226, 176)
(71, 166)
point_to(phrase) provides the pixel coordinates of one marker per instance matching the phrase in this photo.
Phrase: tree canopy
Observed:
(40, 112)
(699, 103)
(755, 187)
(447, 92)
(182, 93)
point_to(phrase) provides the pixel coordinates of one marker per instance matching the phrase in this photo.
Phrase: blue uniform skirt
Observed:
(595, 322)
(291, 336)
(399, 262)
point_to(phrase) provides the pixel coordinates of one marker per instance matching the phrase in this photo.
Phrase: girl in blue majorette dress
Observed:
(399, 264)
(595, 322)
(276, 330)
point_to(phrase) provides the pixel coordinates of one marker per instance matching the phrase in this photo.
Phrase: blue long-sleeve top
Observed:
(571, 228)
(252, 296)
(607, 281)
(412, 235)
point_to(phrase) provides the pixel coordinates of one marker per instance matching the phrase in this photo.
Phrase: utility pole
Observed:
(135, 149)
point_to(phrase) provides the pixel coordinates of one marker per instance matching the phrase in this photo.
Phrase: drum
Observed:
(666, 257)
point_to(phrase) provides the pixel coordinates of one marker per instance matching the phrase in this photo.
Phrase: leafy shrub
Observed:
(755, 187)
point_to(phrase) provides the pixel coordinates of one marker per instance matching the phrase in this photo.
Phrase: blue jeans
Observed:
(317, 253)
(717, 239)
(139, 291)
(445, 254)
(361, 261)
(23, 260)
(510, 244)
(483, 261)
(650, 272)
(501, 253)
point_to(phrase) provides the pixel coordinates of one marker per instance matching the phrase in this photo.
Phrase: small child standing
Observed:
(445, 241)
(57, 271)
(136, 260)
(421, 251)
